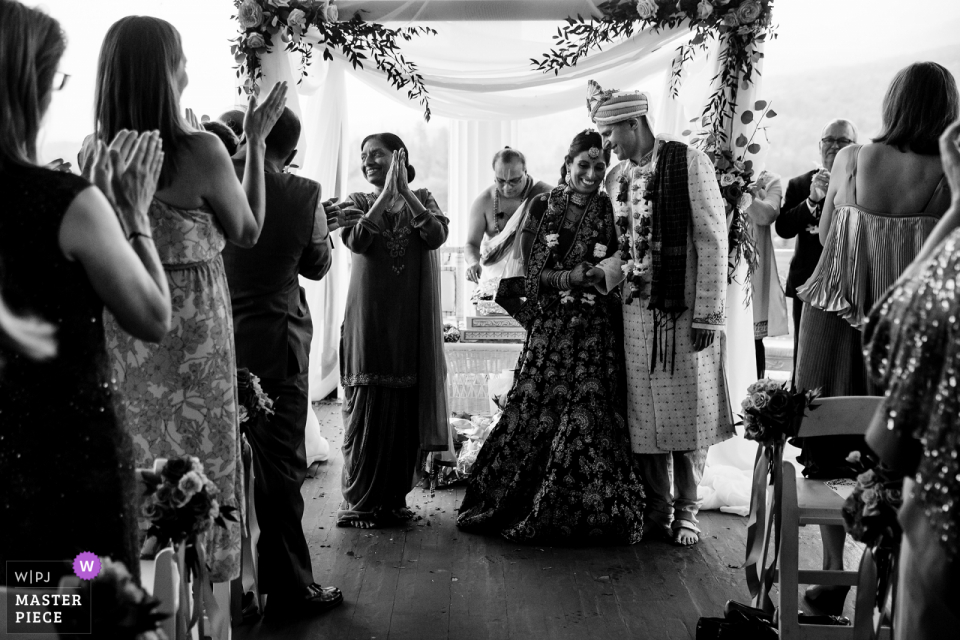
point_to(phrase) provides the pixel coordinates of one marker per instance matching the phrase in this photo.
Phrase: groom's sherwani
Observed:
(679, 403)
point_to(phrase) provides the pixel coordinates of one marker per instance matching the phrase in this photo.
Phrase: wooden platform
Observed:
(429, 580)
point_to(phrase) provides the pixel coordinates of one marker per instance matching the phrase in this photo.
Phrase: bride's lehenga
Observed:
(557, 468)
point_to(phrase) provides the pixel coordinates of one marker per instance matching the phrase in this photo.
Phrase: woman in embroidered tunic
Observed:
(557, 467)
(391, 345)
(883, 201)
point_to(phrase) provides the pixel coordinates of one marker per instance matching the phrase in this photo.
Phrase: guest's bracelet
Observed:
(139, 234)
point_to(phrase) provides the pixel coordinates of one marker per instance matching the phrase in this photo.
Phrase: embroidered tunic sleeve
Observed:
(359, 237)
(431, 224)
(709, 231)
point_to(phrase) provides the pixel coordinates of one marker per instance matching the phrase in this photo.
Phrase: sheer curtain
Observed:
(479, 74)
(489, 94)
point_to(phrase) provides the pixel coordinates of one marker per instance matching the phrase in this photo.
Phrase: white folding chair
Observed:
(806, 502)
(158, 579)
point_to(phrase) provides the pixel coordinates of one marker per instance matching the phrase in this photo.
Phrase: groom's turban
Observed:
(612, 106)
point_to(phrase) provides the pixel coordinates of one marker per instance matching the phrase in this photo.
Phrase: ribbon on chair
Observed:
(203, 601)
(762, 526)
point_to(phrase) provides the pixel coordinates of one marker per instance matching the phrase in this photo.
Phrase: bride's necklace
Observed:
(579, 199)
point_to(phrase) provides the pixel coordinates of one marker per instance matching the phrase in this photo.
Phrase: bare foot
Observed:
(403, 514)
(684, 537)
(357, 524)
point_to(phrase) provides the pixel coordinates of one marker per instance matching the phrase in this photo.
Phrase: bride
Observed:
(558, 466)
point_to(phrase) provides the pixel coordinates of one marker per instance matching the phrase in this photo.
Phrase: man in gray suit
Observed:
(273, 331)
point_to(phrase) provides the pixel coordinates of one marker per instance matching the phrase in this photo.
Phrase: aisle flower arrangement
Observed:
(870, 516)
(253, 401)
(181, 504)
(263, 21)
(772, 413)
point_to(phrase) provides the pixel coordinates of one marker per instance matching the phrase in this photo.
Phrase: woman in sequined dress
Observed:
(884, 199)
(179, 397)
(557, 468)
(913, 353)
(66, 464)
(392, 365)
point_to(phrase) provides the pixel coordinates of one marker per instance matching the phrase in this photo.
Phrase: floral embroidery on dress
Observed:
(397, 240)
(558, 467)
(380, 379)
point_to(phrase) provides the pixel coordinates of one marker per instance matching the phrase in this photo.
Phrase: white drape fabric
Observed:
(487, 94)
(482, 71)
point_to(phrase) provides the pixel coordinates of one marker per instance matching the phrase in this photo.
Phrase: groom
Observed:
(673, 265)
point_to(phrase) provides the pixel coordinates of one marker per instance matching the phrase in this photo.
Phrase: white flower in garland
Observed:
(330, 11)
(646, 9)
(297, 19)
(566, 297)
(589, 298)
(250, 14)
(599, 250)
(553, 239)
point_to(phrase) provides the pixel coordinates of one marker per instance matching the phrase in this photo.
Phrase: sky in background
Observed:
(813, 34)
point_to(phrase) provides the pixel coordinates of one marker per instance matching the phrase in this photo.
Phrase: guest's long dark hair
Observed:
(31, 45)
(137, 85)
(392, 142)
(921, 102)
(583, 141)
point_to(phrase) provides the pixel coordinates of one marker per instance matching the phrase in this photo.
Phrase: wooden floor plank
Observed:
(427, 579)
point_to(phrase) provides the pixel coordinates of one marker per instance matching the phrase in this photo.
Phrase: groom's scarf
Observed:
(670, 218)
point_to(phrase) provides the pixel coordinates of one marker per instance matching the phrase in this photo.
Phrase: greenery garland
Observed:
(740, 24)
(358, 40)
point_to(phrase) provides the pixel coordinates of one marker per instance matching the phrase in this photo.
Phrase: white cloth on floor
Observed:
(318, 449)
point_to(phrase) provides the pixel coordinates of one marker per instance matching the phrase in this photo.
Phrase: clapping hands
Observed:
(259, 119)
(819, 185)
(127, 173)
(340, 216)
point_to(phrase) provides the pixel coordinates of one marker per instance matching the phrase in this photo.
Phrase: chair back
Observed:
(840, 416)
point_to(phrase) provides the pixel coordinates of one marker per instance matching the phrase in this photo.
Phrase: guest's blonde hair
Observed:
(31, 45)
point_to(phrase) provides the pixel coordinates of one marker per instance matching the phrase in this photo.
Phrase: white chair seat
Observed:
(817, 503)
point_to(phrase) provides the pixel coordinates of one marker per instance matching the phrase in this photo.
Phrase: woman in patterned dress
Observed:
(179, 397)
(557, 467)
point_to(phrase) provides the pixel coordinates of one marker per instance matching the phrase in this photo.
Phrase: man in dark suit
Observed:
(273, 330)
(800, 214)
